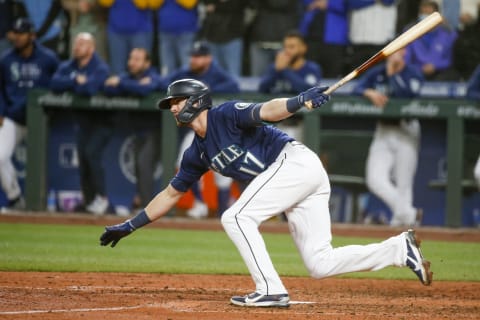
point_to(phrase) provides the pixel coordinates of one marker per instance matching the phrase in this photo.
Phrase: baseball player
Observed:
(25, 66)
(393, 155)
(283, 175)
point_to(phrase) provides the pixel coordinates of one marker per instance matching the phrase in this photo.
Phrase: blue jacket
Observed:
(18, 75)
(473, 86)
(435, 47)
(218, 80)
(289, 80)
(173, 18)
(130, 85)
(125, 18)
(96, 72)
(405, 84)
(336, 22)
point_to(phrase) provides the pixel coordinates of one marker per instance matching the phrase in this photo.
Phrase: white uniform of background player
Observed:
(393, 154)
(476, 172)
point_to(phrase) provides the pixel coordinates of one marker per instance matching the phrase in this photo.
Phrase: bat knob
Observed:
(308, 104)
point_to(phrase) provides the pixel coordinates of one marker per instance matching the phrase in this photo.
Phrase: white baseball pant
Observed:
(393, 155)
(476, 172)
(297, 184)
(11, 133)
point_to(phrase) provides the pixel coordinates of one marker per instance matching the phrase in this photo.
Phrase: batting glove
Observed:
(315, 95)
(114, 233)
(312, 98)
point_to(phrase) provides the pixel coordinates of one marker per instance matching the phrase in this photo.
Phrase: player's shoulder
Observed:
(229, 107)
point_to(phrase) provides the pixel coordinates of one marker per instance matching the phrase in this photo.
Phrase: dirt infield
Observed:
(118, 296)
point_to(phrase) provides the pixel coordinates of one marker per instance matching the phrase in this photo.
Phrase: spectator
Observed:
(177, 26)
(432, 53)
(87, 16)
(129, 25)
(325, 28)
(394, 149)
(273, 20)
(141, 79)
(204, 68)
(85, 74)
(372, 25)
(291, 72)
(51, 22)
(473, 92)
(27, 65)
(223, 28)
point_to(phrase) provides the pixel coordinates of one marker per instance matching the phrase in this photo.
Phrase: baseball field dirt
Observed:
(105, 296)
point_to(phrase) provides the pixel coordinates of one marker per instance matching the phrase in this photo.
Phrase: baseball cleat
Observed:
(415, 260)
(260, 300)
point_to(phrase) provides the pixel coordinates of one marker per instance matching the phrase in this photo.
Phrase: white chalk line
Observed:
(72, 310)
(154, 305)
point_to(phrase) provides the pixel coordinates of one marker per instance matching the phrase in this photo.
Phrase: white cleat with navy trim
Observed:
(260, 300)
(415, 260)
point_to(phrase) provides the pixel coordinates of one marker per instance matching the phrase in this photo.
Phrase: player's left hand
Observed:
(313, 97)
(114, 233)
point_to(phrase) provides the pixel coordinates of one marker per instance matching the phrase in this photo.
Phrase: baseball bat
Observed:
(413, 33)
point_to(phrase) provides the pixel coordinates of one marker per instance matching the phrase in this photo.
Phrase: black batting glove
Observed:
(315, 96)
(114, 233)
(312, 98)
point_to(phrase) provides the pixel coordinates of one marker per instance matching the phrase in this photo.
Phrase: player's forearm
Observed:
(275, 110)
(162, 203)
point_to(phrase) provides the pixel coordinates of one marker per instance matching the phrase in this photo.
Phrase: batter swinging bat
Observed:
(413, 33)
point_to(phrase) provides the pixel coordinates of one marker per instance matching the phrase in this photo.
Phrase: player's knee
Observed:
(228, 218)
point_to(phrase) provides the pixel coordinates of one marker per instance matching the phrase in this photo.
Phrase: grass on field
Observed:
(34, 247)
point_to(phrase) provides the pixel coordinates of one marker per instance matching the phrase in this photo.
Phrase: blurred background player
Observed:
(25, 66)
(393, 154)
(291, 72)
(140, 80)
(84, 74)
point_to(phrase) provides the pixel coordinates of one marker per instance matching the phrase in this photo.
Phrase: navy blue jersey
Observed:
(18, 75)
(235, 145)
(289, 80)
(404, 84)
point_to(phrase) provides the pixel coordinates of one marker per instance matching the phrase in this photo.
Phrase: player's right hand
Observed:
(114, 233)
(313, 97)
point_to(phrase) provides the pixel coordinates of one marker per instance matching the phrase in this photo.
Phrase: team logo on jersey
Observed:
(242, 105)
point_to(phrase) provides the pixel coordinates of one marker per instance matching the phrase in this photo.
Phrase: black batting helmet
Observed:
(198, 95)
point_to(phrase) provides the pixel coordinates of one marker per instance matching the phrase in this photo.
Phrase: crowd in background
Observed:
(246, 35)
(135, 47)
